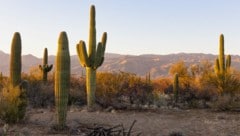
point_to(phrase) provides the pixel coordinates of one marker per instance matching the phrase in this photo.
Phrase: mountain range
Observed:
(157, 65)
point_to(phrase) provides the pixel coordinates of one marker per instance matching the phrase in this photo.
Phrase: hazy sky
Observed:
(133, 26)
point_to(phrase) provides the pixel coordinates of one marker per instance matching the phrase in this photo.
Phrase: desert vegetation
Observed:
(204, 86)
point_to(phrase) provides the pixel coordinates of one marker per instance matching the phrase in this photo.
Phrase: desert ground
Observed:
(162, 122)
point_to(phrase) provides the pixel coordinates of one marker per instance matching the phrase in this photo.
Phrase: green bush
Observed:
(13, 103)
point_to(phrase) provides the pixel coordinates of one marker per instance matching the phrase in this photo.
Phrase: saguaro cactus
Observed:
(62, 79)
(220, 66)
(91, 59)
(148, 78)
(176, 87)
(15, 60)
(45, 68)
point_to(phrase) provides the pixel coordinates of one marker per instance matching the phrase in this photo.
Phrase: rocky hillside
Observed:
(158, 65)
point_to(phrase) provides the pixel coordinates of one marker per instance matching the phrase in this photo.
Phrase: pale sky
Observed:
(133, 26)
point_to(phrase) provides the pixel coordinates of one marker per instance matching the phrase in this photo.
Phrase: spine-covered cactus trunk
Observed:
(91, 59)
(15, 60)
(45, 68)
(91, 86)
(62, 79)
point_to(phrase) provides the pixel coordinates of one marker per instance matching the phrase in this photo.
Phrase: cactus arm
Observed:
(15, 60)
(102, 60)
(216, 66)
(82, 54)
(104, 41)
(49, 68)
(228, 62)
(99, 55)
(100, 51)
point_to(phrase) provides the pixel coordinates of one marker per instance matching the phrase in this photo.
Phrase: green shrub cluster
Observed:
(13, 103)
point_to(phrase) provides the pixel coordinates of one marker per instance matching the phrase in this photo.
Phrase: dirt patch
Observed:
(159, 123)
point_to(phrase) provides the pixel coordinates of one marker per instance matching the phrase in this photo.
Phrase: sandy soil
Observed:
(159, 123)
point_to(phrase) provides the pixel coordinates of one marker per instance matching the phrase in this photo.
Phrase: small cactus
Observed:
(15, 60)
(45, 68)
(220, 66)
(91, 59)
(176, 87)
(62, 79)
(148, 78)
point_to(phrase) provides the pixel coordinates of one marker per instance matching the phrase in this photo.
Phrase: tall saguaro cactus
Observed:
(45, 68)
(62, 79)
(15, 60)
(91, 59)
(220, 66)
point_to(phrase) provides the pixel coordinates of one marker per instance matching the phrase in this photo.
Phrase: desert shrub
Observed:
(107, 88)
(13, 103)
(185, 80)
(223, 84)
(122, 89)
(34, 74)
(205, 90)
(217, 88)
(162, 99)
(162, 85)
(222, 90)
(41, 95)
(194, 83)
(77, 93)
(227, 102)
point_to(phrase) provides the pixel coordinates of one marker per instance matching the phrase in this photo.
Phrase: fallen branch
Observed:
(117, 130)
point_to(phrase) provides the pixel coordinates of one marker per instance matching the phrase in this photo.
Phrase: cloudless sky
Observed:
(133, 26)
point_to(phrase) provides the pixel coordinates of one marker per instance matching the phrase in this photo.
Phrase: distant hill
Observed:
(158, 65)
